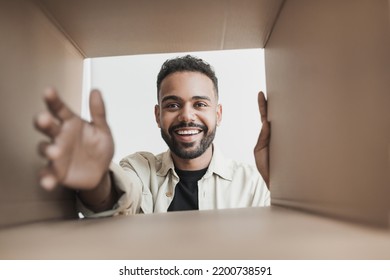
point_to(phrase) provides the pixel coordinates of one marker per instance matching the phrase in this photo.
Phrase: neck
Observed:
(198, 163)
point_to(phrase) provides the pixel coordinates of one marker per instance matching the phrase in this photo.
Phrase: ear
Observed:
(157, 115)
(219, 114)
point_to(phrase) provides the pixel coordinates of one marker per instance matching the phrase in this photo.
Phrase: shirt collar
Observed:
(166, 164)
(218, 165)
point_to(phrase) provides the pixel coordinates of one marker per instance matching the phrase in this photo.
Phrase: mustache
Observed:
(188, 125)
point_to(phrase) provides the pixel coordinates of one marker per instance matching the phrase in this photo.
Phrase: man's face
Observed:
(188, 113)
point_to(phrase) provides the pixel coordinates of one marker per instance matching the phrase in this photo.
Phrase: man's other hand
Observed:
(261, 150)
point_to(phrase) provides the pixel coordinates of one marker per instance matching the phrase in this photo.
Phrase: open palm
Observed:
(78, 152)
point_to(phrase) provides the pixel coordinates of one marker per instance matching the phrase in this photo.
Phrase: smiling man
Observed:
(188, 113)
(193, 174)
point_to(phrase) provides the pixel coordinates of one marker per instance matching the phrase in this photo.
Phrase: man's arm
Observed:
(78, 152)
(101, 198)
(261, 150)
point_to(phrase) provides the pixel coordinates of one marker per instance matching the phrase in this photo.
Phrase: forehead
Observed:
(186, 85)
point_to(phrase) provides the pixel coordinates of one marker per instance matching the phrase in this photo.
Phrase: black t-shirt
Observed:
(186, 191)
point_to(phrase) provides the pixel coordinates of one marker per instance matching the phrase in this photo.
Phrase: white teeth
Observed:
(187, 132)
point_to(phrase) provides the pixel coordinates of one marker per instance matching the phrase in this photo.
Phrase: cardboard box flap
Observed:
(101, 28)
(328, 65)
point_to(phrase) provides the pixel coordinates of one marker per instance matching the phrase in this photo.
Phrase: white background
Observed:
(128, 84)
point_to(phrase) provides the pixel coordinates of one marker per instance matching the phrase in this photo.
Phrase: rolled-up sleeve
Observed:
(128, 186)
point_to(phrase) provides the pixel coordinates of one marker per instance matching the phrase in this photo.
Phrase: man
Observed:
(192, 175)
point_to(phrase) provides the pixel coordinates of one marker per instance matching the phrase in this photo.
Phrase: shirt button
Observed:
(168, 194)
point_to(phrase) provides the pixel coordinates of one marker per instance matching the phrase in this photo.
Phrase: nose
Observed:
(187, 114)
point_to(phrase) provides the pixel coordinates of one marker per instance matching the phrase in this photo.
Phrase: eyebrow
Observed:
(176, 98)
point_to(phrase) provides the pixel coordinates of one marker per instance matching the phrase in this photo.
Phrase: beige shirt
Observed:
(148, 183)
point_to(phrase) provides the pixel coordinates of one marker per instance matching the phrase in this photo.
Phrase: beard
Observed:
(188, 150)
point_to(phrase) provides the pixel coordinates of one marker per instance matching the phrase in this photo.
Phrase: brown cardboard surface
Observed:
(253, 233)
(327, 77)
(328, 65)
(125, 27)
(33, 55)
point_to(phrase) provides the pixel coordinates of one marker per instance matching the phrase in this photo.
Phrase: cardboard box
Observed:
(34, 54)
(268, 233)
(327, 66)
(45, 44)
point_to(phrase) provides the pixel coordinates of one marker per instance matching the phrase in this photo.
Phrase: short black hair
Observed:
(186, 63)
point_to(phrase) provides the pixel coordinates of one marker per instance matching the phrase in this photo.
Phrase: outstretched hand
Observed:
(78, 152)
(261, 150)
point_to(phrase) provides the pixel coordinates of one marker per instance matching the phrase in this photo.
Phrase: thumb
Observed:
(264, 137)
(96, 107)
(262, 101)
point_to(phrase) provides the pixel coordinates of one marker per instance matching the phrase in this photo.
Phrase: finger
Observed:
(42, 147)
(56, 106)
(48, 150)
(47, 179)
(96, 106)
(46, 124)
(264, 137)
(262, 106)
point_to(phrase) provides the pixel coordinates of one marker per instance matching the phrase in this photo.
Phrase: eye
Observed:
(200, 104)
(172, 106)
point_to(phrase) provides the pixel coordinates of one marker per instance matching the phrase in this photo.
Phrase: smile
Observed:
(188, 131)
